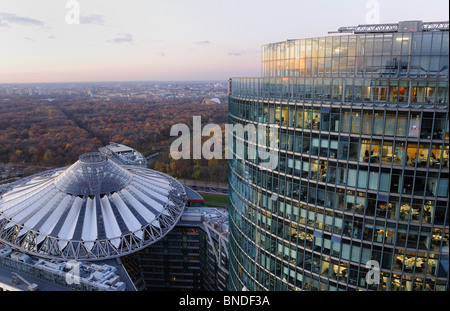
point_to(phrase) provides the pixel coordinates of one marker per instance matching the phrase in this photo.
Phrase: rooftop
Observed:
(19, 271)
(212, 217)
(403, 26)
(94, 209)
(123, 155)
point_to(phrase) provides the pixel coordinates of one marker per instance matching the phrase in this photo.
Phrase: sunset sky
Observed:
(145, 40)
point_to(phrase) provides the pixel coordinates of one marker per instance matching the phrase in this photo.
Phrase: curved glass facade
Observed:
(363, 166)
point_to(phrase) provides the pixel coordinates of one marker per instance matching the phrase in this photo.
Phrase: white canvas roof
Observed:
(95, 209)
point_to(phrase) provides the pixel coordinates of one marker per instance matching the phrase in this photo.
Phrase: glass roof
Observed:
(95, 209)
(93, 174)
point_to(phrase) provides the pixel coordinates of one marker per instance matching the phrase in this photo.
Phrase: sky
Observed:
(172, 40)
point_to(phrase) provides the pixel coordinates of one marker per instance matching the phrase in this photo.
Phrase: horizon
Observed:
(80, 41)
(114, 81)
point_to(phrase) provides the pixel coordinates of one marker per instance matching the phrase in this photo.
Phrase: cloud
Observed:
(202, 42)
(8, 19)
(122, 38)
(236, 53)
(93, 19)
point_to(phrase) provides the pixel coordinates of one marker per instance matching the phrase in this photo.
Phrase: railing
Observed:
(304, 90)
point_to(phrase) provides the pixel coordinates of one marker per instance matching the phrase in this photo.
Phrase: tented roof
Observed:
(95, 209)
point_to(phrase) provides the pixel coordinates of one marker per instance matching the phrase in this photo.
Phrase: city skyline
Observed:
(170, 40)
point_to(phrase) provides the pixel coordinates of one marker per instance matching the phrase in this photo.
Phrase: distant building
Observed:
(212, 101)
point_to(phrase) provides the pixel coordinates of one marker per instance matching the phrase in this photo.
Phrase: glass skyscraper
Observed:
(359, 197)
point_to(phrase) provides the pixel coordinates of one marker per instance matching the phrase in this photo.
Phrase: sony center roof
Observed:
(93, 210)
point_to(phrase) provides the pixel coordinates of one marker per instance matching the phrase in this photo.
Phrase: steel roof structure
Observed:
(396, 27)
(93, 210)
